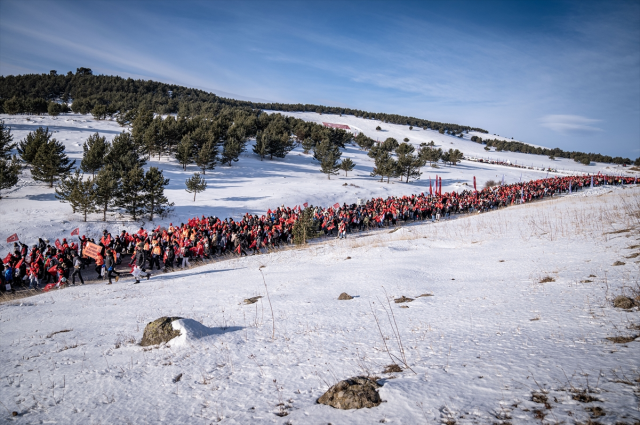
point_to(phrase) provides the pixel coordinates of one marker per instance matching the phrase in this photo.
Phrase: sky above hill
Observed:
(557, 74)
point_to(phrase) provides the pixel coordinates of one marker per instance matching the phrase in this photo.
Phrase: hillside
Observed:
(250, 185)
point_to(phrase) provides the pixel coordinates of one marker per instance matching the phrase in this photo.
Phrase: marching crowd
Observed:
(43, 266)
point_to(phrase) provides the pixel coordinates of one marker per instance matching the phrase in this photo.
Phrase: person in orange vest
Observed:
(156, 254)
(99, 263)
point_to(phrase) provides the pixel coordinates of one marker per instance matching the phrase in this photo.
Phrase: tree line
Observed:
(393, 159)
(109, 95)
(581, 157)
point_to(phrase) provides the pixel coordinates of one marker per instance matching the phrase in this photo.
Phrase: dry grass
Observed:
(622, 339)
(58, 332)
(547, 279)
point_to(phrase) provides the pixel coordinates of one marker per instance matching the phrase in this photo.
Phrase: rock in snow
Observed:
(345, 296)
(159, 331)
(352, 393)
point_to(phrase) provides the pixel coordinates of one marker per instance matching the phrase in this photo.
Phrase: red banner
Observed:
(474, 183)
(13, 238)
(75, 231)
(336, 205)
(91, 250)
(7, 258)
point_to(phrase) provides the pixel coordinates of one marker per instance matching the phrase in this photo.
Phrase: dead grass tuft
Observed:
(392, 368)
(584, 397)
(619, 263)
(403, 299)
(596, 411)
(547, 279)
(623, 302)
(621, 339)
(252, 300)
(58, 332)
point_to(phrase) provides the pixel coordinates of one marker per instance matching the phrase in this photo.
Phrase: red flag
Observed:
(7, 258)
(306, 204)
(474, 183)
(75, 231)
(13, 238)
(157, 228)
(336, 205)
(58, 245)
(19, 263)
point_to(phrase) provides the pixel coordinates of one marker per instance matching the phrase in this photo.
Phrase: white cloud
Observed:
(570, 124)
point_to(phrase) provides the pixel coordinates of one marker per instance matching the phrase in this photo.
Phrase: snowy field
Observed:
(250, 185)
(491, 345)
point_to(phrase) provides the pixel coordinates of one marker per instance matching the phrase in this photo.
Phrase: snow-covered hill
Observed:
(492, 344)
(250, 185)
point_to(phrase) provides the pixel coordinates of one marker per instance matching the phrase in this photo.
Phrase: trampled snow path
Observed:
(489, 338)
(250, 185)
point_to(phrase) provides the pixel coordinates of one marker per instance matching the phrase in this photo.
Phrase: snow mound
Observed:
(191, 331)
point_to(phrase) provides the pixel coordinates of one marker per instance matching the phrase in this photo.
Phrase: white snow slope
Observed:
(489, 338)
(250, 185)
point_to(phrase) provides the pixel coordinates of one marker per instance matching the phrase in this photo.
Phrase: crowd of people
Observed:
(44, 266)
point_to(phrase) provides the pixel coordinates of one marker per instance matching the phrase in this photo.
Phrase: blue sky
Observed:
(557, 74)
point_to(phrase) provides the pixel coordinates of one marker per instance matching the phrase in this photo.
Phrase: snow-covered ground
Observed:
(250, 185)
(489, 338)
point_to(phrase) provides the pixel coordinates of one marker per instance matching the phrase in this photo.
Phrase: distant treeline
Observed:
(581, 157)
(32, 93)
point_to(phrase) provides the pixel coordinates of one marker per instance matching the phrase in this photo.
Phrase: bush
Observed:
(490, 183)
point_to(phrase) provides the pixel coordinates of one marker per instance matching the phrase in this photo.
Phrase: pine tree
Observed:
(51, 163)
(455, 156)
(390, 144)
(277, 139)
(29, 146)
(408, 163)
(9, 172)
(123, 154)
(328, 155)
(303, 228)
(107, 187)
(429, 154)
(6, 141)
(54, 109)
(207, 156)
(308, 144)
(78, 192)
(260, 148)
(139, 126)
(347, 165)
(385, 166)
(155, 201)
(154, 138)
(99, 112)
(95, 150)
(234, 144)
(184, 152)
(131, 194)
(195, 185)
